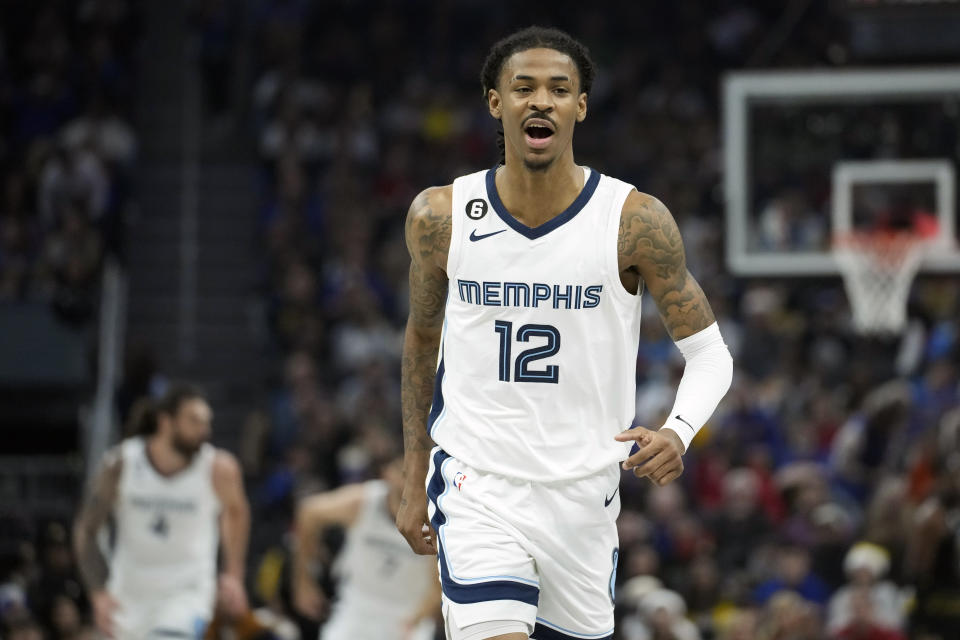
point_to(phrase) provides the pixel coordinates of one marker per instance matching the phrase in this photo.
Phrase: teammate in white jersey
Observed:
(384, 590)
(173, 499)
(520, 358)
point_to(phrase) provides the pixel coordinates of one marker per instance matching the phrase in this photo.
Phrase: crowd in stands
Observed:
(808, 506)
(40, 593)
(822, 499)
(66, 147)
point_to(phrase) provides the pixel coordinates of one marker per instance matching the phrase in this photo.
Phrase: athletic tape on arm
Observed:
(706, 378)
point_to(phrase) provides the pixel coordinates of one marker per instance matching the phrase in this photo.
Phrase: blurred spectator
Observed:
(888, 520)
(833, 527)
(24, 628)
(72, 175)
(19, 241)
(66, 620)
(70, 262)
(804, 489)
(64, 170)
(741, 526)
(866, 619)
(702, 592)
(865, 565)
(792, 573)
(66, 153)
(660, 616)
(865, 444)
(933, 557)
(57, 573)
(102, 130)
(292, 132)
(742, 626)
(787, 615)
(295, 313)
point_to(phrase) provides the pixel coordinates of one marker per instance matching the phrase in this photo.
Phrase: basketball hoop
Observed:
(878, 268)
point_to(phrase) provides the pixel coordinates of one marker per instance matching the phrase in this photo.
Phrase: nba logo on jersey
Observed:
(458, 479)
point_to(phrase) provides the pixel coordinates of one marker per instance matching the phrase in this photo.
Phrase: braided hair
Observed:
(534, 38)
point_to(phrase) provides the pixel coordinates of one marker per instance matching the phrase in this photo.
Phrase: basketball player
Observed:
(172, 497)
(520, 355)
(384, 591)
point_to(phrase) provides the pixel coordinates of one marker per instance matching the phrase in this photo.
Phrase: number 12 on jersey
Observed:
(521, 368)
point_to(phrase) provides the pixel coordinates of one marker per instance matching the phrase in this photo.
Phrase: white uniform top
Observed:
(537, 369)
(166, 530)
(381, 582)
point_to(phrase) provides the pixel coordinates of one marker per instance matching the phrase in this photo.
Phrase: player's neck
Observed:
(534, 197)
(164, 458)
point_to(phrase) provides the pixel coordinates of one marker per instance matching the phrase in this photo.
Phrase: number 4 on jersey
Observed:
(521, 368)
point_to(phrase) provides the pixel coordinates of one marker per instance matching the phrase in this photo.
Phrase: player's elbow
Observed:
(720, 364)
(725, 368)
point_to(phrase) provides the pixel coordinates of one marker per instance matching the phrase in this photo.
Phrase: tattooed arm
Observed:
(428, 230)
(94, 513)
(651, 252)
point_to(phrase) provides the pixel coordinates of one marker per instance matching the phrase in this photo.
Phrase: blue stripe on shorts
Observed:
(478, 591)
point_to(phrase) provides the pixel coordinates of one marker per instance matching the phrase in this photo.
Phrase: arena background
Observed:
(215, 191)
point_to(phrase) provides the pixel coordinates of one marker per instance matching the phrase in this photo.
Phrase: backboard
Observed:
(811, 154)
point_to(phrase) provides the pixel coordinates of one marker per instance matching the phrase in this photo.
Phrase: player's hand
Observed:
(413, 523)
(308, 600)
(659, 457)
(104, 606)
(231, 596)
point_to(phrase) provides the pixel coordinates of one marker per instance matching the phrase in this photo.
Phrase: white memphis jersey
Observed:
(381, 582)
(167, 529)
(537, 368)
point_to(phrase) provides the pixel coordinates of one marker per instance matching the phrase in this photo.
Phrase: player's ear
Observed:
(494, 104)
(581, 107)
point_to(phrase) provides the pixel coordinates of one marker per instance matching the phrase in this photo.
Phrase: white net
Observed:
(878, 269)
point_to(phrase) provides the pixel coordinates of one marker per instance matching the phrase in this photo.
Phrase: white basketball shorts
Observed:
(181, 616)
(541, 553)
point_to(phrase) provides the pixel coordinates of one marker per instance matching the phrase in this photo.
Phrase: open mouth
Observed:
(538, 133)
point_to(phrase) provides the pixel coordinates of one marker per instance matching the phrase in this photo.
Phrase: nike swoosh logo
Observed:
(474, 237)
(685, 422)
(607, 501)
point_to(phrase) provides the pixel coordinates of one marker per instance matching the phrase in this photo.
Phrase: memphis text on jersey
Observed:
(536, 295)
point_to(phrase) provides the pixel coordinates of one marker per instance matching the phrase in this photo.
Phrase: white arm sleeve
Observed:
(706, 378)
